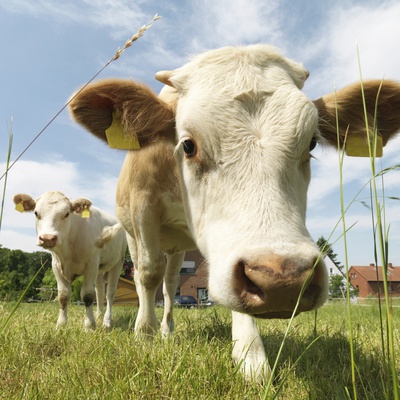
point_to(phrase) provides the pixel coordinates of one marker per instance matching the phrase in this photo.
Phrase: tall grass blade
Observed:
(10, 140)
(382, 240)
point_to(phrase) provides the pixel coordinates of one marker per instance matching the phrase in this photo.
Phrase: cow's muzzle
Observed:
(270, 287)
(47, 241)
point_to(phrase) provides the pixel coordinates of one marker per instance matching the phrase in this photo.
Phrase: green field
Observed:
(38, 362)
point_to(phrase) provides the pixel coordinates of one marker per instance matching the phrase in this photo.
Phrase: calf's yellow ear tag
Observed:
(86, 212)
(357, 146)
(116, 137)
(20, 207)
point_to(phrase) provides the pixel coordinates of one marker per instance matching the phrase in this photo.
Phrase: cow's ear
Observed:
(80, 205)
(24, 202)
(135, 115)
(345, 110)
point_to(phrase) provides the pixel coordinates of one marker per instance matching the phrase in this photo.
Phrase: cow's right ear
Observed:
(135, 114)
(24, 202)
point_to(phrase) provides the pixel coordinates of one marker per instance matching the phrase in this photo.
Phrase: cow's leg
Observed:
(171, 282)
(248, 348)
(64, 296)
(88, 293)
(149, 264)
(112, 283)
(100, 283)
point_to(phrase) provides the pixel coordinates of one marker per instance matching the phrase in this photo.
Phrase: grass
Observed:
(350, 352)
(38, 362)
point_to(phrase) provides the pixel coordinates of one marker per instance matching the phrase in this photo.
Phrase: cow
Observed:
(220, 160)
(83, 241)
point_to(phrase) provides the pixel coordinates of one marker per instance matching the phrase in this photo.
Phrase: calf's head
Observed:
(244, 132)
(53, 215)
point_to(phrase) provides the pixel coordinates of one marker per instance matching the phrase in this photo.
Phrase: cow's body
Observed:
(229, 142)
(92, 247)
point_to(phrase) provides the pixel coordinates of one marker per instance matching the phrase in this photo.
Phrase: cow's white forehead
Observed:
(239, 69)
(53, 201)
(258, 103)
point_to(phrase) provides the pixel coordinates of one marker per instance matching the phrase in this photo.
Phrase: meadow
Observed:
(39, 362)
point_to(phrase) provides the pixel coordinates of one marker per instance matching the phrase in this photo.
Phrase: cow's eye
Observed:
(66, 215)
(37, 215)
(313, 143)
(189, 147)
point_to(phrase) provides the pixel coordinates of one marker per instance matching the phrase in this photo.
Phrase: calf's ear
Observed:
(80, 205)
(124, 113)
(374, 104)
(24, 202)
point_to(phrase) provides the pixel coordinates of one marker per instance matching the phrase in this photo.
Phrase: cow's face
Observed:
(53, 219)
(53, 212)
(245, 131)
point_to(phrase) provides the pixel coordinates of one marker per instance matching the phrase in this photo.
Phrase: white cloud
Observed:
(233, 22)
(121, 17)
(376, 31)
(13, 240)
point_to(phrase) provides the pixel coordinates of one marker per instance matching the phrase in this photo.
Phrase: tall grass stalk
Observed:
(346, 262)
(10, 140)
(383, 238)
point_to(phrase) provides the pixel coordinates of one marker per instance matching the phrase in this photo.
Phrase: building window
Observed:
(188, 268)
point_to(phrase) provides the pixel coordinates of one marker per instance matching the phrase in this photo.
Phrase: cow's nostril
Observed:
(47, 240)
(272, 285)
(250, 286)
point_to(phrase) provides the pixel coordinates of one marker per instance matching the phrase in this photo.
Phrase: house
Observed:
(193, 278)
(369, 280)
(332, 267)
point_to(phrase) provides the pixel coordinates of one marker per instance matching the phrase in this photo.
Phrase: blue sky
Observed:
(49, 48)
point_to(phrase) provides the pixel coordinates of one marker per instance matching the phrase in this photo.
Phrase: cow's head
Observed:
(244, 132)
(53, 215)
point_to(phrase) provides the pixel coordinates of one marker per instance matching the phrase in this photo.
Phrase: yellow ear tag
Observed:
(20, 207)
(86, 212)
(116, 137)
(357, 146)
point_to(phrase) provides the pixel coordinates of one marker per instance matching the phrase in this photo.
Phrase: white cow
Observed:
(93, 247)
(225, 158)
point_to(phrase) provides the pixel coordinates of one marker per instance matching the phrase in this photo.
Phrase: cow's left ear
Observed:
(24, 202)
(80, 205)
(345, 109)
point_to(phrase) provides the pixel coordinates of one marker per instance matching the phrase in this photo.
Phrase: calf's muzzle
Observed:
(47, 241)
(270, 287)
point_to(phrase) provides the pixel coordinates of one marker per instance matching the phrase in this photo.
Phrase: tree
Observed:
(17, 268)
(327, 250)
(337, 283)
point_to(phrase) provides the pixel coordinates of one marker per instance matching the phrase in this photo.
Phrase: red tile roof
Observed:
(369, 273)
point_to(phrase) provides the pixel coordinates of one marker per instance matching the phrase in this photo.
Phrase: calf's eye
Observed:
(313, 143)
(189, 147)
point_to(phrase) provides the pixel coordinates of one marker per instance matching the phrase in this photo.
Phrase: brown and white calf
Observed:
(93, 247)
(224, 159)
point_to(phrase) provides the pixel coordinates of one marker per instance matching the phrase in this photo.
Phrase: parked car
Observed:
(185, 301)
(208, 303)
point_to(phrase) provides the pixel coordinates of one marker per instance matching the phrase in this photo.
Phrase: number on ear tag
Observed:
(116, 137)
